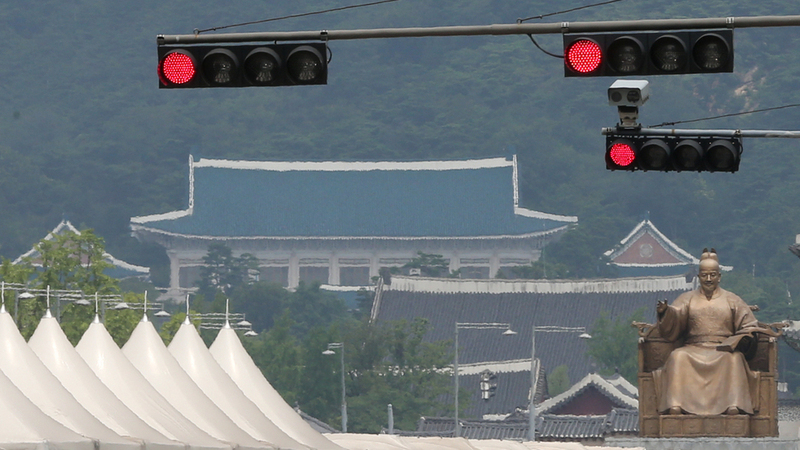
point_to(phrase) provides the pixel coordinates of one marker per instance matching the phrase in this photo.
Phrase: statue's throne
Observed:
(653, 353)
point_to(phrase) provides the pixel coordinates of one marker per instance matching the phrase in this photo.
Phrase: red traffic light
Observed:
(583, 56)
(621, 155)
(177, 68)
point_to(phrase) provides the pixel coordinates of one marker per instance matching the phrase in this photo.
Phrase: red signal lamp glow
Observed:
(621, 155)
(583, 56)
(177, 68)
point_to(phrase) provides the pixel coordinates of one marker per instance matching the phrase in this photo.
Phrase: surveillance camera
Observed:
(628, 93)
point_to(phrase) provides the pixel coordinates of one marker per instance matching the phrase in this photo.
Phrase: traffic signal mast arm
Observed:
(706, 133)
(486, 30)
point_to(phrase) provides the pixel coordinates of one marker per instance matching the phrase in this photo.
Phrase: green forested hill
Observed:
(86, 132)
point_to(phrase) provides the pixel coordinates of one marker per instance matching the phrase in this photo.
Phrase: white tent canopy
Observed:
(99, 397)
(101, 353)
(26, 427)
(26, 371)
(188, 349)
(53, 348)
(147, 352)
(230, 354)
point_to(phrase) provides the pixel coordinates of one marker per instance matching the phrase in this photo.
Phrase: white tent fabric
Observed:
(112, 367)
(28, 373)
(147, 352)
(188, 348)
(229, 353)
(436, 443)
(26, 427)
(355, 441)
(53, 348)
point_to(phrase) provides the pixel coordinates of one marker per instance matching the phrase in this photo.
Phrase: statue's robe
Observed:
(697, 377)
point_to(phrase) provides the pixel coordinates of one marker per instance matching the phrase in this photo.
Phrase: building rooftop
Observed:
(345, 200)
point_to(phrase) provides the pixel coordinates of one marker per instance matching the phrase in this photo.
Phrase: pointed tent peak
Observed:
(47, 314)
(144, 317)
(228, 351)
(227, 313)
(115, 370)
(186, 320)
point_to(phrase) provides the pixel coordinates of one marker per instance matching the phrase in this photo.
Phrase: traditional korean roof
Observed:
(620, 397)
(549, 427)
(521, 303)
(120, 269)
(646, 251)
(346, 200)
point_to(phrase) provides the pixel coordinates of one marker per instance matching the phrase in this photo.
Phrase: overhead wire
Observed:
(294, 16)
(542, 16)
(774, 108)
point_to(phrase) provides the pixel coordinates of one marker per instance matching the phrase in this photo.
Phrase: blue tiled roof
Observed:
(258, 200)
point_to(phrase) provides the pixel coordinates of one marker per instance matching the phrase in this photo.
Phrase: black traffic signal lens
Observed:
(654, 155)
(305, 65)
(626, 55)
(688, 155)
(711, 53)
(262, 66)
(621, 155)
(668, 54)
(583, 56)
(177, 68)
(721, 156)
(221, 68)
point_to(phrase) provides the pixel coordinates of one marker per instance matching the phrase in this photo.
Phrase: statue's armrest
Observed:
(653, 349)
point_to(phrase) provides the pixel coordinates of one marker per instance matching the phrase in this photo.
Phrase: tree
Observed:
(68, 261)
(558, 380)
(224, 272)
(278, 354)
(614, 345)
(430, 265)
(392, 364)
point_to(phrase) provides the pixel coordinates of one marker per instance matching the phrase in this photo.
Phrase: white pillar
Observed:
(174, 271)
(333, 271)
(294, 271)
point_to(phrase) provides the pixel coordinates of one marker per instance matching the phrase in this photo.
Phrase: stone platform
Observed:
(705, 443)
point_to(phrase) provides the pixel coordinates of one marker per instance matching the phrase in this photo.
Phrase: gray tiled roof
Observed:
(521, 310)
(338, 199)
(617, 397)
(548, 427)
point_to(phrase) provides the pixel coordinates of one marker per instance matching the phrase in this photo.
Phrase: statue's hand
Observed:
(661, 307)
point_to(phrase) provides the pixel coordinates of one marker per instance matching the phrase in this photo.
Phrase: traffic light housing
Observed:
(667, 153)
(240, 65)
(648, 53)
(488, 384)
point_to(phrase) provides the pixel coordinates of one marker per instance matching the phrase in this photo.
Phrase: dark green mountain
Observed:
(85, 131)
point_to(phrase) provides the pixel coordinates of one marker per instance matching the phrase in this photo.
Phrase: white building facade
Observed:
(338, 223)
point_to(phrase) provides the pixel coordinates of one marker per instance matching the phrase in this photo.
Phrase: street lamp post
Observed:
(534, 372)
(329, 351)
(472, 326)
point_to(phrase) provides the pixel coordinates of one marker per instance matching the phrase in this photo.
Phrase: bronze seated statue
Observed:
(707, 367)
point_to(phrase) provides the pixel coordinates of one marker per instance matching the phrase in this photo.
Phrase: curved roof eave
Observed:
(139, 227)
